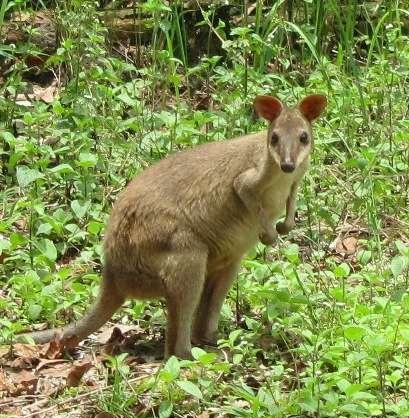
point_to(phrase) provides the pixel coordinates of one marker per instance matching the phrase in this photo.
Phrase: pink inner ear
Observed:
(268, 107)
(312, 106)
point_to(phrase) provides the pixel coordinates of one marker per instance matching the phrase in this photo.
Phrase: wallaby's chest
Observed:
(273, 198)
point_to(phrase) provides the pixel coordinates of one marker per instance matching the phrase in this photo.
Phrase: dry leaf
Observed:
(104, 415)
(106, 334)
(24, 382)
(25, 350)
(54, 349)
(4, 384)
(76, 373)
(24, 362)
(4, 351)
(347, 246)
(47, 363)
(46, 94)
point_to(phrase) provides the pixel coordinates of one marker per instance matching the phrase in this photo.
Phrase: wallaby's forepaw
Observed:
(284, 227)
(268, 238)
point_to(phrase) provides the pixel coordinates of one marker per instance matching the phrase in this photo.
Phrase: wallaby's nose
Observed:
(287, 167)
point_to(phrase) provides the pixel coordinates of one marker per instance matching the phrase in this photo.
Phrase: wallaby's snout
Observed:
(289, 133)
(287, 167)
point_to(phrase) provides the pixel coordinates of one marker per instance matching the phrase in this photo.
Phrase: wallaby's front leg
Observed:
(246, 186)
(289, 222)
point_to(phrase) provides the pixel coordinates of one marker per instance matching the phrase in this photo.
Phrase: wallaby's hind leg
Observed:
(108, 301)
(215, 290)
(184, 285)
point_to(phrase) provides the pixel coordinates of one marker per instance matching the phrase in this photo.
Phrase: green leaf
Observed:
(171, 369)
(398, 265)
(291, 252)
(202, 356)
(95, 227)
(44, 228)
(4, 245)
(62, 169)
(402, 248)
(47, 248)
(378, 343)
(342, 270)
(190, 388)
(80, 209)
(26, 175)
(354, 333)
(124, 97)
(87, 160)
(165, 409)
(34, 311)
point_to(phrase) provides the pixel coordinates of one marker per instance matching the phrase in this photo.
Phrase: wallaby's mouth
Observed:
(287, 167)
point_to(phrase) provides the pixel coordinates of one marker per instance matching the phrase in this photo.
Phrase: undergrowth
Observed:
(317, 326)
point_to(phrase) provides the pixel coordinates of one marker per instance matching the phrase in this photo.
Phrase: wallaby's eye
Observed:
(274, 138)
(304, 138)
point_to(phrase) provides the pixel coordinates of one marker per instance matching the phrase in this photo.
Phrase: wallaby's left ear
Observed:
(312, 106)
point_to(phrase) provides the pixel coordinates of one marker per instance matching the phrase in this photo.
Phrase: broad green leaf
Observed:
(26, 175)
(165, 409)
(80, 208)
(124, 97)
(34, 311)
(62, 169)
(190, 388)
(171, 369)
(95, 227)
(354, 333)
(87, 160)
(292, 253)
(44, 228)
(47, 248)
(202, 356)
(402, 248)
(342, 270)
(4, 245)
(399, 264)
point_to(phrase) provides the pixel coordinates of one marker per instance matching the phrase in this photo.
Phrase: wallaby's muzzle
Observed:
(287, 167)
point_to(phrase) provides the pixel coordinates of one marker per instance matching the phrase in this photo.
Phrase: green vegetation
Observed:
(317, 326)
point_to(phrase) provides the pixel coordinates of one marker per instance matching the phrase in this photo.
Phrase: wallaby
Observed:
(181, 227)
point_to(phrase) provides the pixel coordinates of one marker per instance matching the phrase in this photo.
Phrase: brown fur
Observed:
(181, 227)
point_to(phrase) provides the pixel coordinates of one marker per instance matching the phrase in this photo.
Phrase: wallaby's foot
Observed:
(284, 227)
(210, 340)
(268, 238)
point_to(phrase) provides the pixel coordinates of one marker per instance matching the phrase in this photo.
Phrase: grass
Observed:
(317, 326)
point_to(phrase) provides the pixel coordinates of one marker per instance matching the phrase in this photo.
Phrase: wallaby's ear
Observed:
(312, 106)
(268, 107)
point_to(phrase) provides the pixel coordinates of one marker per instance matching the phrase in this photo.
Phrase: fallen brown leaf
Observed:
(107, 333)
(4, 384)
(54, 349)
(76, 373)
(347, 246)
(4, 351)
(24, 362)
(25, 350)
(46, 94)
(23, 382)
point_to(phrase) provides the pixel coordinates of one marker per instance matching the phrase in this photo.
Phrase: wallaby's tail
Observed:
(108, 301)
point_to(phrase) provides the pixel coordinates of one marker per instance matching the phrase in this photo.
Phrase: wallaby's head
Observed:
(289, 134)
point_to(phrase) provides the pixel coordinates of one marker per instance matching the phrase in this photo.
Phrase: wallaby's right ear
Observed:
(268, 107)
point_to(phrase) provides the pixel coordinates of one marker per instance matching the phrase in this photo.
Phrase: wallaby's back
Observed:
(192, 189)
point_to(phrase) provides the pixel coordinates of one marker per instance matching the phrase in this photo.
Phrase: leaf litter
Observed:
(32, 375)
